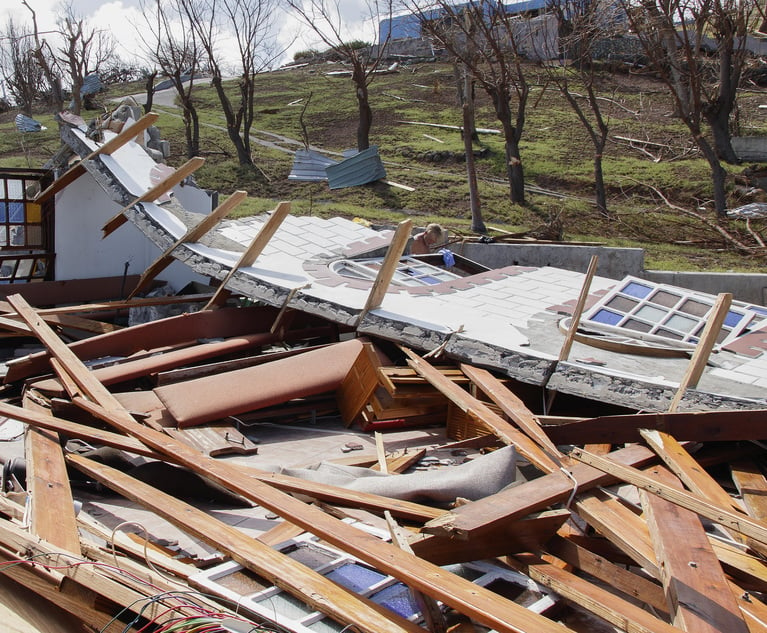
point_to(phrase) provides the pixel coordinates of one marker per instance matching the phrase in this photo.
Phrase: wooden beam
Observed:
(611, 608)
(468, 403)
(462, 595)
(512, 406)
(575, 320)
(388, 267)
(255, 249)
(752, 486)
(165, 185)
(684, 466)
(491, 513)
(724, 516)
(633, 585)
(295, 578)
(192, 235)
(78, 169)
(695, 585)
(698, 426)
(703, 349)
(52, 511)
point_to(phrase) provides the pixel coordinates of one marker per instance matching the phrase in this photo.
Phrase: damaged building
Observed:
(329, 433)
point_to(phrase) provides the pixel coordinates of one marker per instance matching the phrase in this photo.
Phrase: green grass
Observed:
(556, 153)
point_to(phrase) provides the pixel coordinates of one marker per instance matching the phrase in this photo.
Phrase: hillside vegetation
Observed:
(556, 154)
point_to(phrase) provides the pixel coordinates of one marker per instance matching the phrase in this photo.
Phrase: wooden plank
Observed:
(476, 408)
(684, 466)
(725, 517)
(78, 169)
(85, 586)
(706, 343)
(490, 513)
(698, 426)
(251, 254)
(388, 267)
(165, 185)
(78, 431)
(465, 597)
(52, 511)
(752, 486)
(358, 386)
(192, 235)
(575, 320)
(633, 585)
(476, 602)
(619, 612)
(625, 529)
(512, 406)
(525, 535)
(695, 585)
(281, 570)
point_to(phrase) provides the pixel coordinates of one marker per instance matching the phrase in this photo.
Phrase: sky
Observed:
(120, 18)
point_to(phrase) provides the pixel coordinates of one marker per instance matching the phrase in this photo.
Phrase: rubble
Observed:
(338, 435)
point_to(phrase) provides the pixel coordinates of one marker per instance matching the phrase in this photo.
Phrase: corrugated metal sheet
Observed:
(362, 168)
(91, 85)
(27, 124)
(309, 165)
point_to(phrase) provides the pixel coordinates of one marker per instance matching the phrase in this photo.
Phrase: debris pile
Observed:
(633, 522)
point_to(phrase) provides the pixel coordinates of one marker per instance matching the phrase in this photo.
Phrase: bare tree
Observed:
(497, 66)
(24, 80)
(170, 43)
(83, 51)
(699, 49)
(252, 25)
(582, 25)
(45, 60)
(325, 19)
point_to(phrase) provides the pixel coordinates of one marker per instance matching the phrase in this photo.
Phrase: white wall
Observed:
(81, 253)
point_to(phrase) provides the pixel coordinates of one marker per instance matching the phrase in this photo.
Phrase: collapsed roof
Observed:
(507, 319)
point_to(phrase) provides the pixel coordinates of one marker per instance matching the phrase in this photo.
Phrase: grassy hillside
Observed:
(556, 154)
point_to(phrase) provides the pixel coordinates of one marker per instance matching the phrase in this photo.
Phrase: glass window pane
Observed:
(639, 326)
(732, 318)
(695, 308)
(622, 304)
(665, 298)
(607, 317)
(355, 577)
(651, 313)
(397, 598)
(16, 212)
(3, 211)
(18, 236)
(15, 189)
(682, 323)
(34, 212)
(637, 290)
(34, 235)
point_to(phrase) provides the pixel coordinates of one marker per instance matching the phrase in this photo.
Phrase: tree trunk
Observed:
(514, 171)
(718, 177)
(477, 223)
(232, 123)
(600, 192)
(149, 86)
(363, 103)
(719, 122)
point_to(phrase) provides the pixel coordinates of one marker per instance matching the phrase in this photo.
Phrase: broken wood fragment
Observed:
(188, 168)
(725, 517)
(251, 254)
(192, 235)
(696, 588)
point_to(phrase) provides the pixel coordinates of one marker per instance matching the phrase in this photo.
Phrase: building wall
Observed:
(81, 253)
